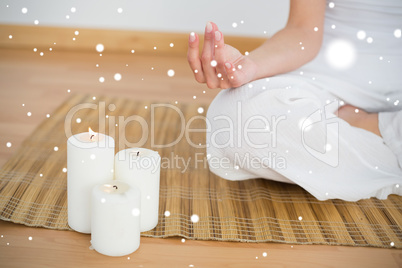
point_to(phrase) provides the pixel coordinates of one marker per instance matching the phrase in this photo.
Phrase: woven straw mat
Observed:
(33, 187)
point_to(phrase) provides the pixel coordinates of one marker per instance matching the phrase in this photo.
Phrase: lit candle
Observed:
(90, 160)
(140, 168)
(115, 218)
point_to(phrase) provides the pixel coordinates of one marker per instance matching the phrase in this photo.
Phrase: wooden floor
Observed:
(38, 84)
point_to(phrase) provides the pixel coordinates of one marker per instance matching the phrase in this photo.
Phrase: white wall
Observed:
(152, 15)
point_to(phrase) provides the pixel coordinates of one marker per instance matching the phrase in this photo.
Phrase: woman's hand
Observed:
(220, 65)
(288, 49)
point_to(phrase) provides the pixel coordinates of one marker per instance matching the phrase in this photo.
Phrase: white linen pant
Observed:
(284, 129)
(390, 124)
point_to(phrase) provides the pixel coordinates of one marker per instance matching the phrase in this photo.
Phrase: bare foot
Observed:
(360, 118)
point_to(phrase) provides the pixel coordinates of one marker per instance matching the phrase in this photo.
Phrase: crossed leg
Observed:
(360, 118)
(328, 157)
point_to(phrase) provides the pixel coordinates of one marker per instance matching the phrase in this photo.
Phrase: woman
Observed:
(285, 101)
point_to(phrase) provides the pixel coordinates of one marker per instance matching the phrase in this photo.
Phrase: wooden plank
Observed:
(51, 248)
(120, 41)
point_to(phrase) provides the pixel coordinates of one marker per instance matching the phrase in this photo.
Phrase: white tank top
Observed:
(360, 59)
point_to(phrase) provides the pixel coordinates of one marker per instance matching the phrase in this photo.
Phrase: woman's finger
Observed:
(207, 57)
(232, 74)
(193, 57)
(220, 60)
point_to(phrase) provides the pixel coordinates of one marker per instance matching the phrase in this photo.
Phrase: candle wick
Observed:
(114, 186)
(91, 137)
(138, 153)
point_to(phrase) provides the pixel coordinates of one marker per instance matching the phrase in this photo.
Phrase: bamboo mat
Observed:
(33, 188)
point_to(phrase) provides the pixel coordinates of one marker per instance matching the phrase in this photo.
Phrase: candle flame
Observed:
(92, 134)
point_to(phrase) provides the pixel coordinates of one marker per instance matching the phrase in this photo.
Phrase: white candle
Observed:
(140, 167)
(115, 218)
(90, 160)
